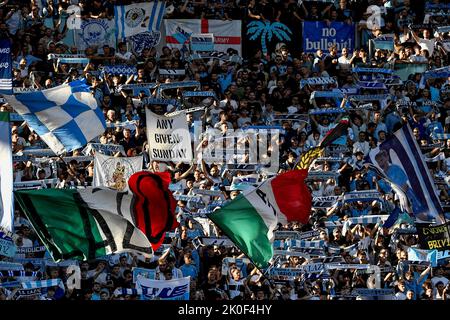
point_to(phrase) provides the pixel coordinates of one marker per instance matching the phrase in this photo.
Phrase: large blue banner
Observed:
(318, 35)
(400, 162)
(5, 67)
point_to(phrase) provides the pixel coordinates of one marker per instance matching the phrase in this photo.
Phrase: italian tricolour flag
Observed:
(251, 218)
(90, 223)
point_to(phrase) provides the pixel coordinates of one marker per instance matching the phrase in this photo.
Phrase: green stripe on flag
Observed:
(4, 116)
(65, 226)
(244, 226)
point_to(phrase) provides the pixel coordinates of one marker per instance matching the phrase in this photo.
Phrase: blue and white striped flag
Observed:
(139, 17)
(364, 220)
(43, 284)
(66, 117)
(305, 244)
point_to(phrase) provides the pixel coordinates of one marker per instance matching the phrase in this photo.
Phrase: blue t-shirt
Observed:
(189, 270)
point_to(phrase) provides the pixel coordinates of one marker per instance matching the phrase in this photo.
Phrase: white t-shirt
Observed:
(233, 104)
(324, 129)
(124, 56)
(427, 44)
(101, 278)
(344, 63)
(400, 296)
(364, 147)
(435, 280)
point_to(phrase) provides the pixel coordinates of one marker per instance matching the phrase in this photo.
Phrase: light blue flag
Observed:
(66, 117)
(415, 254)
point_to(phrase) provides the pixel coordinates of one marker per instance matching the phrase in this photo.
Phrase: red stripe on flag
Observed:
(227, 40)
(292, 195)
(154, 205)
(217, 40)
(205, 26)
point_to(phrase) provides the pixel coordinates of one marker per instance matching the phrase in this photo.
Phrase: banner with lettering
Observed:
(5, 67)
(434, 237)
(227, 34)
(176, 289)
(168, 137)
(318, 35)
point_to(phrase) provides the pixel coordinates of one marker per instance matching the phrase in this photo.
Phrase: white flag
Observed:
(6, 174)
(114, 172)
(168, 137)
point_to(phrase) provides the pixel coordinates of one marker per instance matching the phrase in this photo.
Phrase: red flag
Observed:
(292, 195)
(154, 206)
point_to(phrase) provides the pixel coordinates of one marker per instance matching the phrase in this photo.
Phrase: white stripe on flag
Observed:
(18, 106)
(6, 178)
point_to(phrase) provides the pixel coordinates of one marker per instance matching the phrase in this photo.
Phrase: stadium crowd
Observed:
(252, 92)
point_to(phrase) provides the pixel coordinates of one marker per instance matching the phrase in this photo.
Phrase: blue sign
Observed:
(5, 67)
(318, 35)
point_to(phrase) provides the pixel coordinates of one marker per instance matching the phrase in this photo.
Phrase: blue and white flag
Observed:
(138, 17)
(66, 58)
(7, 246)
(5, 67)
(175, 289)
(95, 33)
(363, 195)
(443, 72)
(415, 254)
(317, 81)
(371, 85)
(120, 69)
(191, 94)
(372, 70)
(176, 85)
(399, 160)
(326, 111)
(43, 284)
(384, 43)
(144, 40)
(305, 244)
(202, 42)
(66, 117)
(6, 174)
